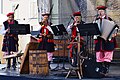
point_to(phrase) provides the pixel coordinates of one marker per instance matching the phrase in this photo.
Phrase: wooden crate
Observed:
(38, 62)
(61, 45)
(24, 67)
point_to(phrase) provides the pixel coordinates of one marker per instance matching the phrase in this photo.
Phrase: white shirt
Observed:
(49, 28)
(69, 28)
(2, 30)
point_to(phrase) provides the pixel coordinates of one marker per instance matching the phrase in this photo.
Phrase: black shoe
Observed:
(8, 67)
(107, 70)
(49, 67)
(74, 65)
(104, 70)
(49, 64)
(14, 67)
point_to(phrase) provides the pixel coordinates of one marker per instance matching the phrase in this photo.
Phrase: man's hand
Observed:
(44, 34)
(7, 30)
(114, 35)
(76, 24)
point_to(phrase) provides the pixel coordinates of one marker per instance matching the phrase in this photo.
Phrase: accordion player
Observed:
(106, 42)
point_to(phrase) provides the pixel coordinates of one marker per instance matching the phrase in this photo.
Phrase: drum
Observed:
(38, 62)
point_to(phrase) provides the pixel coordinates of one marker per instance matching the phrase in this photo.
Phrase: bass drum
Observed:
(91, 69)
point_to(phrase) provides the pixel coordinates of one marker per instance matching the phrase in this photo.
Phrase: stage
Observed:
(114, 74)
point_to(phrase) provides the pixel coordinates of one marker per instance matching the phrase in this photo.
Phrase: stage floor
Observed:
(114, 74)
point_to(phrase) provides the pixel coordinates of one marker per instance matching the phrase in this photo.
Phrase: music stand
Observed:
(19, 29)
(59, 30)
(88, 29)
(62, 29)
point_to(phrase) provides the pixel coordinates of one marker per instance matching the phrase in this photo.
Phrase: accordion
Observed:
(106, 27)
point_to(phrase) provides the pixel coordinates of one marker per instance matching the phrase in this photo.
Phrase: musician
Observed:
(104, 48)
(10, 41)
(74, 30)
(46, 37)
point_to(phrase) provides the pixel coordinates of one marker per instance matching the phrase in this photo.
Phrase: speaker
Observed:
(91, 69)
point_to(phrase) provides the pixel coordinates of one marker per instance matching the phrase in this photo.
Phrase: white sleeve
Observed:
(69, 28)
(49, 28)
(2, 30)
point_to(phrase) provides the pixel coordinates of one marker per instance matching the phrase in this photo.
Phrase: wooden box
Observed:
(38, 62)
(61, 47)
(24, 67)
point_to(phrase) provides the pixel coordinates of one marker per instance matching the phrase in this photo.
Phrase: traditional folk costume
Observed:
(104, 48)
(46, 41)
(10, 41)
(74, 31)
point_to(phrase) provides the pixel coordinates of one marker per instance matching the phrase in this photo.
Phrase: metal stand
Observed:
(59, 30)
(57, 67)
(64, 47)
(63, 67)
